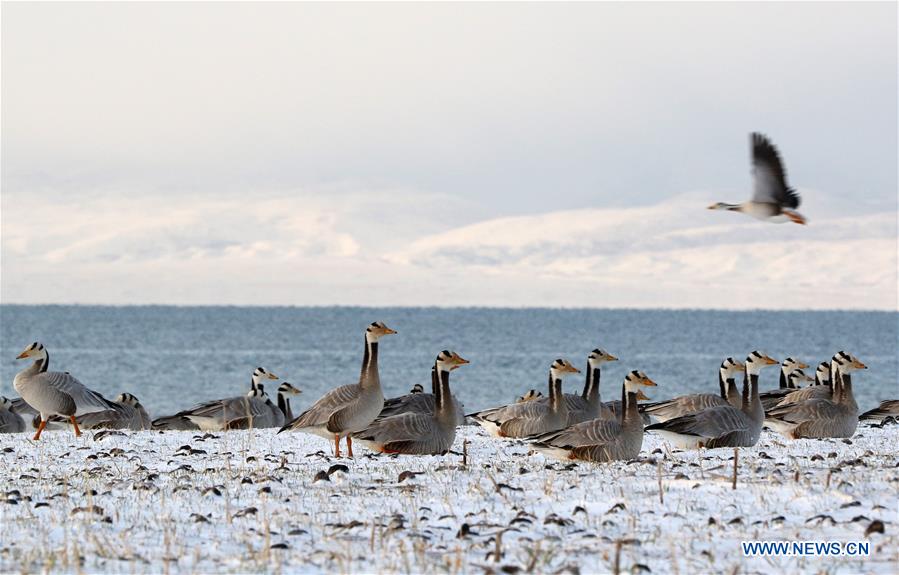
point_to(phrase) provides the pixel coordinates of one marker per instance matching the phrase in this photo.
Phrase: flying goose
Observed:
(416, 432)
(348, 408)
(772, 199)
(817, 417)
(10, 421)
(130, 415)
(678, 406)
(603, 440)
(54, 392)
(419, 402)
(253, 409)
(887, 408)
(722, 425)
(531, 417)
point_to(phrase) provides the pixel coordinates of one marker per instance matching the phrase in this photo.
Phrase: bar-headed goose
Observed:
(130, 415)
(887, 408)
(55, 392)
(588, 405)
(685, 404)
(818, 418)
(284, 390)
(417, 432)
(772, 199)
(795, 381)
(722, 425)
(253, 409)
(348, 408)
(603, 440)
(531, 417)
(531, 395)
(826, 377)
(418, 402)
(10, 421)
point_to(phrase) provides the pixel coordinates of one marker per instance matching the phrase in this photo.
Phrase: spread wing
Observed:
(768, 176)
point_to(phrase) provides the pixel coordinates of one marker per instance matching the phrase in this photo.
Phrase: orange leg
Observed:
(336, 446)
(795, 217)
(75, 423)
(349, 445)
(40, 428)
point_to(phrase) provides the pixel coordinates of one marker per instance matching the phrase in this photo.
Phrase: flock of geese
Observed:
(561, 425)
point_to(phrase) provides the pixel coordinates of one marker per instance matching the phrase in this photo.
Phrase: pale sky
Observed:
(445, 154)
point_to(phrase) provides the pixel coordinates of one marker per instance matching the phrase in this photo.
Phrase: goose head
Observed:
(797, 377)
(847, 363)
(35, 350)
(635, 381)
(5, 403)
(449, 360)
(560, 368)
(790, 365)
(599, 356)
(259, 374)
(287, 388)
(756, 360)
(731, 368)
(127, 399)
(417, 388)
(530, 396)
(376, 331)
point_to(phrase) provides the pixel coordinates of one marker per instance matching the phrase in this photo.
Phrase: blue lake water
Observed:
(172, 357)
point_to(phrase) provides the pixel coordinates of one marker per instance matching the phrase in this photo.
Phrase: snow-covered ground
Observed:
(254, 501)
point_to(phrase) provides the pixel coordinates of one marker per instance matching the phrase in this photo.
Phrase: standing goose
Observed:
(10, 421)
(531, 417)
(416, 432)
(772, 199)
(723, 425)
(130, 415)
(228, 413)
(819, 418)
(685, 404)
(887, 408)
(284, 390)
(603, 440)
(589, 404)
(348, 408)
(54, 392)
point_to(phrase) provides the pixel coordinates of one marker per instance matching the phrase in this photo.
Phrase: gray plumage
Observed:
(417, 401)
(419, 432)
(820, 418)
(602, 440)
(348, 408)
(723, 425)
(887, 408)
(129, 415)
(530, 417)
(10, 421)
